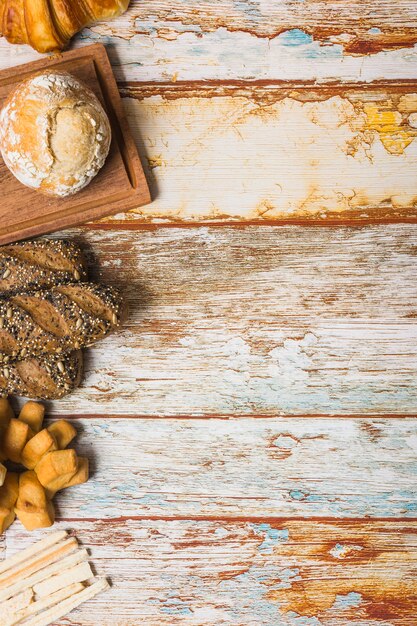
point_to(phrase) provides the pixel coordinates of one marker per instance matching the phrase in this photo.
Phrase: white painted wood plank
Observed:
(277, 152)
(225, 55)
(282, 145)
(256, 320)
(267, 18)
(258, 39)
(233, 573)
(337, 467)
(170, 51)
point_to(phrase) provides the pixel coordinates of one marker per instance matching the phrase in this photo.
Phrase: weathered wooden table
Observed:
(252, 429)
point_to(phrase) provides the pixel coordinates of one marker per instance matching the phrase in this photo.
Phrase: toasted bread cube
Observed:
(37, 447)
(6, 413)
(32, 497)
(82, 473)
(38, 519)
(3, 473)
(80, 477)
(7, 518)
(9, 491)
(32, 414)
(63, 432)
(8, 496)
(15, 438)
(56, 468)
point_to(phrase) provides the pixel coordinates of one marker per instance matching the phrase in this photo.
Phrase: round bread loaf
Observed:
(54, 133)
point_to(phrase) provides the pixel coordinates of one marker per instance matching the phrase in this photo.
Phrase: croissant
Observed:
(48, 25)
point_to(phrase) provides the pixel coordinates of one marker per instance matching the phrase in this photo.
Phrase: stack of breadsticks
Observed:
(43, 583)
(49, 466)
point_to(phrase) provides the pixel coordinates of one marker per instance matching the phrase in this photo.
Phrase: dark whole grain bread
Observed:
(57, 320)
(39, 264)
(97, 300)
(42, 378)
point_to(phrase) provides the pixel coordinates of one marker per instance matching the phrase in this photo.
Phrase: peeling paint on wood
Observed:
(250, 321)
(277, 153)
(254, 467)
(359, 21)
(226, 40)
(256, 320)
(225, 55)
(290, 573)
(268, 39)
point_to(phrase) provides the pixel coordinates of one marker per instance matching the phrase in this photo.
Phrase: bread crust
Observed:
(54, 133)
(13, 25)
(48, 25)
(54, 322)
(43, 378)
(39, 264)
(40, 27)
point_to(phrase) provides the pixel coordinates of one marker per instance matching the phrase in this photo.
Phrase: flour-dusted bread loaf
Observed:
(58, 320)
(54, 133)
(32, 265)
(42, 378)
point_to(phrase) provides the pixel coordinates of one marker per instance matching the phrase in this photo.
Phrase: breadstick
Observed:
(18, 603)
(78, 574)
(55, 568)
(38, 562)
(44, 544)
(43, 604)
(61, 609)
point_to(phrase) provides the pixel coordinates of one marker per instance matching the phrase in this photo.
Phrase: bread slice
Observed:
(43, 378)
(39, 264)
(61, 319)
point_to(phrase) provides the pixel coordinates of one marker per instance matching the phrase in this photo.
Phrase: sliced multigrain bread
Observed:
(42, 378)
(58, 320)
(39, 264)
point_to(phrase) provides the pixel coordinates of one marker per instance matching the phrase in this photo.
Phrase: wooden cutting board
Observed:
(120, 185)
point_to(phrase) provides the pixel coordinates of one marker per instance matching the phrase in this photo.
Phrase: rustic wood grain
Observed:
(250, 40)
(247, 322)
(255, 320)
(367, 26)
(194, 178)
(254, 467)
(262, 39)
(172, 51)
(276, 152)
(284, 572)
(228, 54)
